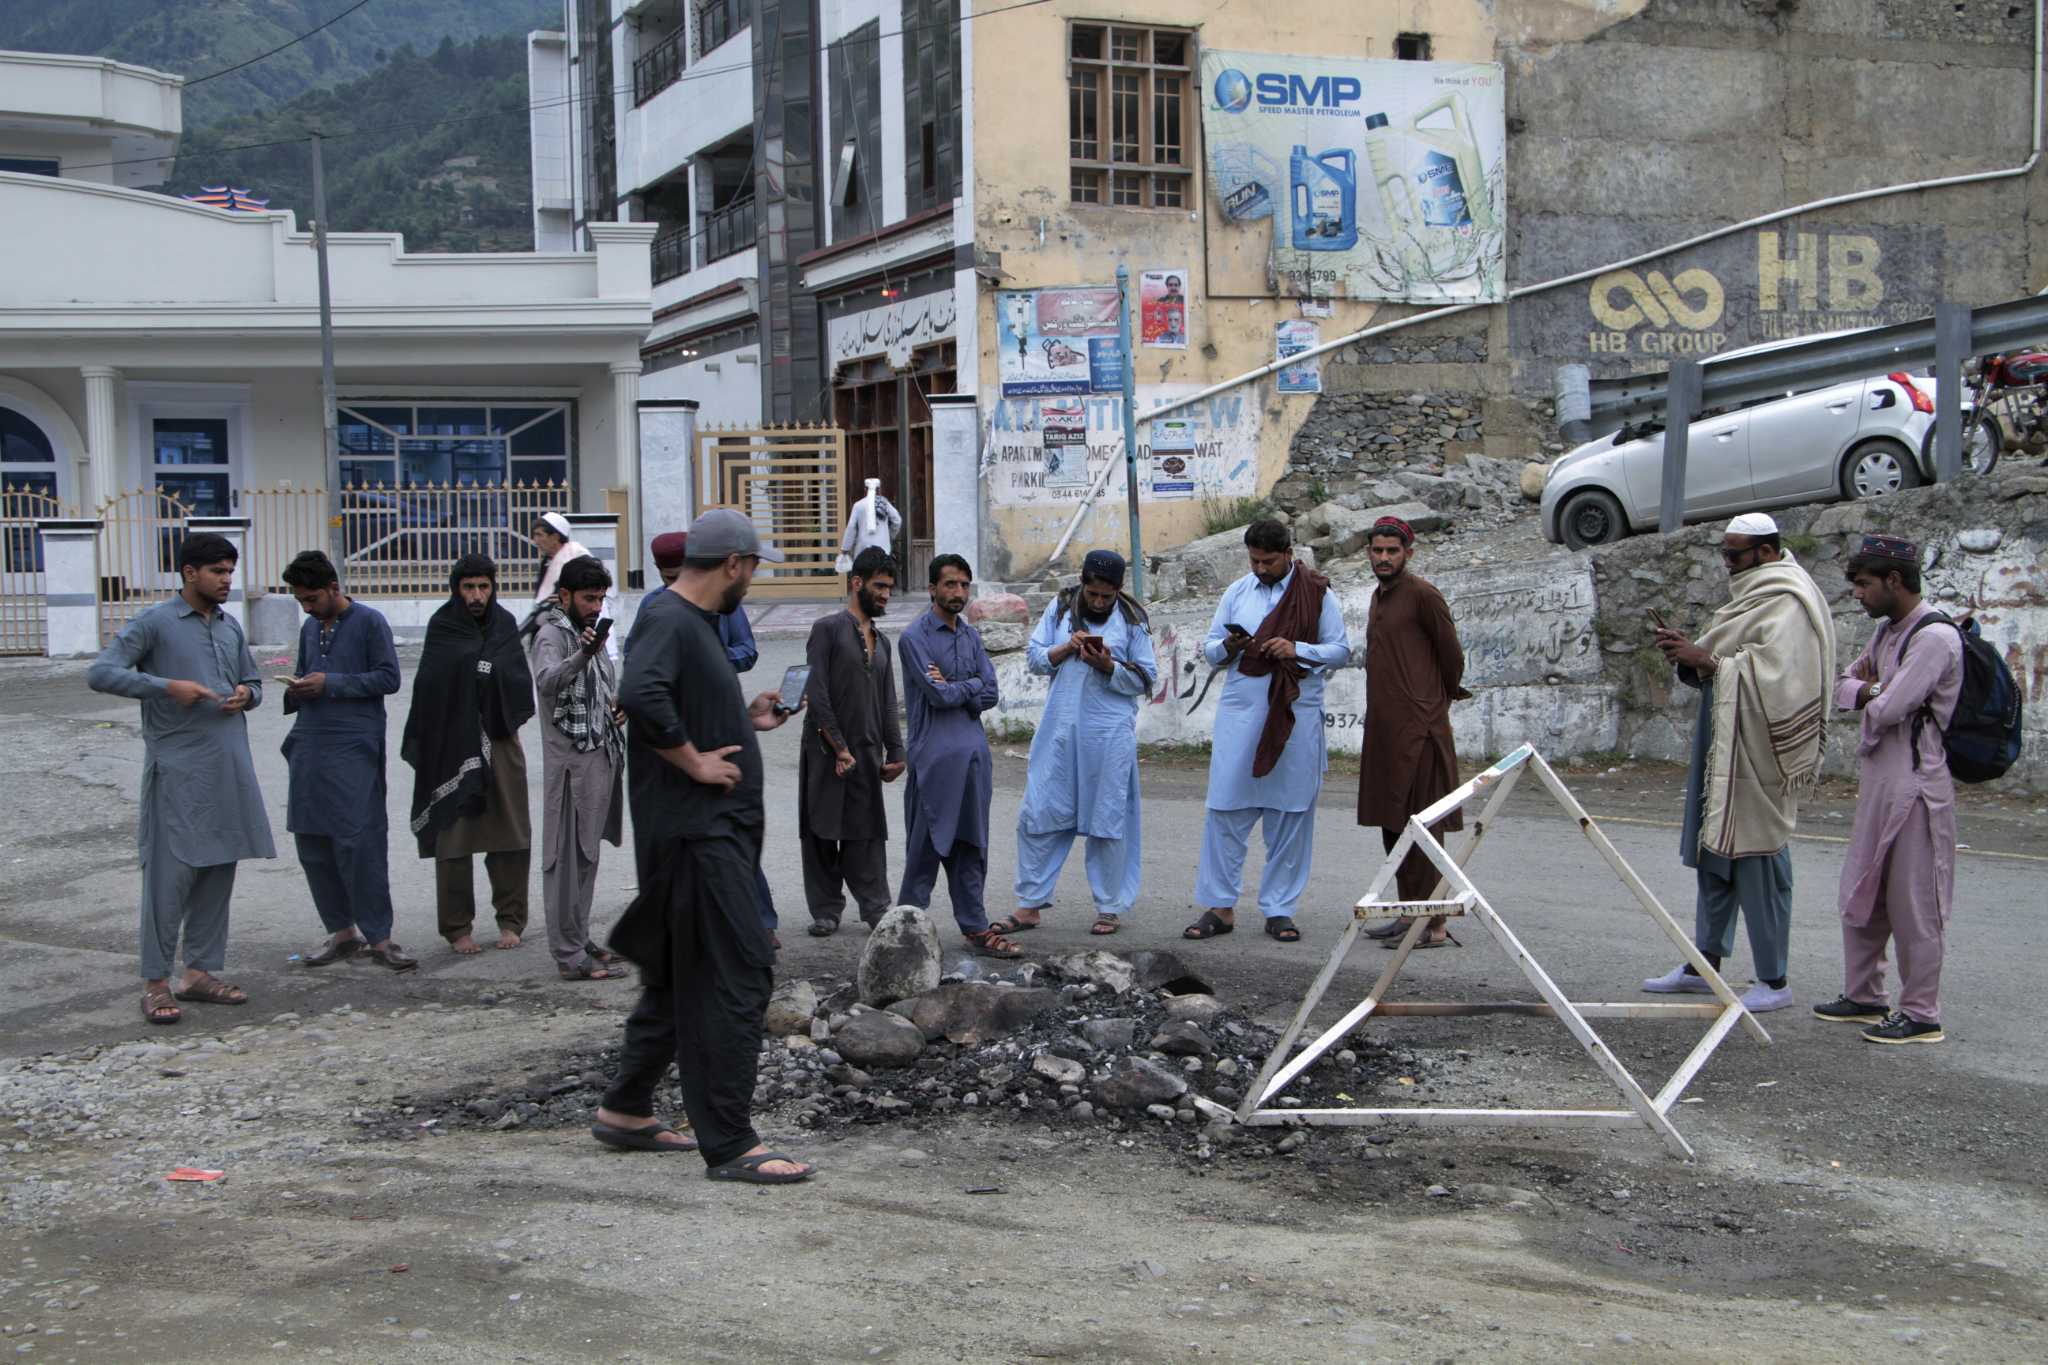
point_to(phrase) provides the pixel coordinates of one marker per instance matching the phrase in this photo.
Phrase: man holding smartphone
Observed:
(582, 760)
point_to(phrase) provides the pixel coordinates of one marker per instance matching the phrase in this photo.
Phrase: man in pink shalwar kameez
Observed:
(1899, 878)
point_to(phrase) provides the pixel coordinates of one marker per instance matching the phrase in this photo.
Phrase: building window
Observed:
(1411, 47)
(1129, 112)
(717, 20)
(392, 445)
(29, 165)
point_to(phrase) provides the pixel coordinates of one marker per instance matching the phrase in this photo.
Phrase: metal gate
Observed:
(23, 605)
(138, 555)
(788, 481)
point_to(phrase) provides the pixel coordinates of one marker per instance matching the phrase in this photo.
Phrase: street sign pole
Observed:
(330, 449)
(1123, 332)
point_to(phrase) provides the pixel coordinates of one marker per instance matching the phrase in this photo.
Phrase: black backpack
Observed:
(1983, 737)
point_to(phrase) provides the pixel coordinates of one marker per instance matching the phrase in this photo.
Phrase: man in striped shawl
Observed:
(1763, 668)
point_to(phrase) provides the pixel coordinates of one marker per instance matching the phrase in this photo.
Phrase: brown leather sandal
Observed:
(159, 1008)
(208, 990)
(990, 943)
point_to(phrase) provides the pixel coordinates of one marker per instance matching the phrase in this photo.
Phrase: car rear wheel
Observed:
(1592, 518)
(1876, 468)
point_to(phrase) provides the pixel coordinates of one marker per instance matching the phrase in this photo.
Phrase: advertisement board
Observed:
(1347, 178)
(1053, 342)
(1290, 338)
(1163, 309)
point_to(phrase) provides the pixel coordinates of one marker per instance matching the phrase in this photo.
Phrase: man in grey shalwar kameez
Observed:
(582, 758)
(201, 811)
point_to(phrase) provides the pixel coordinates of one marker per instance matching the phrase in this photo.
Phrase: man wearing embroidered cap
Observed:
(1763, 668)
(1899, 878)
(1414, 668)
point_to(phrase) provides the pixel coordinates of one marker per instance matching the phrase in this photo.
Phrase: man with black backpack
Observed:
(1898, 881)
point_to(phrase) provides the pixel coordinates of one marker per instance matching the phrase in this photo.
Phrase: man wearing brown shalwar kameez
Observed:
(1413, 668)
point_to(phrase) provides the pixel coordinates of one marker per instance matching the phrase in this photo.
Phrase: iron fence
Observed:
(658, 68)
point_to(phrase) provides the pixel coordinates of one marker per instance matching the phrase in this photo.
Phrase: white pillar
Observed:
(626, 448)
(236, 532)
(70, 587)
(102, 435)
(668, 495)
(956, 477)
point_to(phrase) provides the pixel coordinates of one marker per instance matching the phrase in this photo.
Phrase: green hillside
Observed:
(193, 37)
(459, 185)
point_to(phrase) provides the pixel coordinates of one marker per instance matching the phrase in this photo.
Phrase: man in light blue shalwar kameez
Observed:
(1281, 633)
(1096, 646)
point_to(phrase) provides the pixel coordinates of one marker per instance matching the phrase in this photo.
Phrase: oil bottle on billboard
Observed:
(1324, 191)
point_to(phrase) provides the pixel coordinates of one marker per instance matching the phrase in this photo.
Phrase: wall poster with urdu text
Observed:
(1346, 178)
(1292, 336)
(1053, 342)
(1163, 309)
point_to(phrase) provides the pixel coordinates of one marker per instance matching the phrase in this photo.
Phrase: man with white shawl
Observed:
(874, 524)
(551, 535)
(1764, 668)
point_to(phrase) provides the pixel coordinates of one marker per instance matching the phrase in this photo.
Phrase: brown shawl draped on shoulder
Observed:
(1296, 617)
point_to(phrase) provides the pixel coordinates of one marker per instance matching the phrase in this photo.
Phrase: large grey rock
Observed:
(1107, 970)
(1195, 1009)
(998, 606)
(1059, 1070)
(878, 1038)
(1213, 563)
(1183, 1039)
(1003, 637)
(1156, 968)
(1111, 1035)
(975, 1011)
(901, 957)
(1134, 1083)
(1419, 516)
(790, 1009)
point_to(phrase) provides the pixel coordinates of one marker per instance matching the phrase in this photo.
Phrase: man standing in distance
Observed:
(1413, 670)
(1281, 632)
(1082, 781)
(1763, 668)
(200, 810)
(347, 665)
(948, 683)
(582, 756)
(853, 743)
(472, 693)
(695, 929)
(1899, 880)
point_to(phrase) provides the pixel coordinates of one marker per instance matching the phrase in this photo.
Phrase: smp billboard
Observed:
(1337, 178)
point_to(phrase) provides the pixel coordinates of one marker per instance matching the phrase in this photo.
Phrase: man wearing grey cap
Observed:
(695, 930)
(1763, 668)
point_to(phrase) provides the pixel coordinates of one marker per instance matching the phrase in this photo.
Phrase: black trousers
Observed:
(709, 1020)
(834, 866)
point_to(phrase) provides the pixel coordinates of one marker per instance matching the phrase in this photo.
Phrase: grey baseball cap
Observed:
(722, 531)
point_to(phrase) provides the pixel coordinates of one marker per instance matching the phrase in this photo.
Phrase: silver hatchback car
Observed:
(1860, 439)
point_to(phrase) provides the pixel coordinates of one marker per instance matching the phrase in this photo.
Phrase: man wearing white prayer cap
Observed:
(559, 547)
(1763, 668)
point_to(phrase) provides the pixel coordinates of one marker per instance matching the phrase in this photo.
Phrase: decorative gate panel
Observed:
(788, 481)
(22, 587)
(138, 553)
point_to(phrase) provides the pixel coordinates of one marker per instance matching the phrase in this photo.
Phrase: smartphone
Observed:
(794, 680)
(1233, 628)
(285, 678)
(603, 629)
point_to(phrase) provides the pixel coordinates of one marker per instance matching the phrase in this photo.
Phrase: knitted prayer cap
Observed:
(1393, 526)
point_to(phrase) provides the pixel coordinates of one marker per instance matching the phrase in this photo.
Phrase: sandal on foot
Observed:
(1105, 924)
(1425, 942)
(589, 971)
(207, 991)
(1013, 925)
(158, 1008)
(1282, 928)
(990, 943)
(646, 1139)
(1210, 925)
(747, 1170)
(1392, 929)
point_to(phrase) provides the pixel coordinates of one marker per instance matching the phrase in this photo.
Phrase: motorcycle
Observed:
(2010, 396)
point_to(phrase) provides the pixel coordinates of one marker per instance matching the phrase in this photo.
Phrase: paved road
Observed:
(68, 886)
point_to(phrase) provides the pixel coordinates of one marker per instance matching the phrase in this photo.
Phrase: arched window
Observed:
(27, 458)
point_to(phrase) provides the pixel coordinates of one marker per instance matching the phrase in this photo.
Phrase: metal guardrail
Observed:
(1853, 355)
(671, 254)
(658, 68)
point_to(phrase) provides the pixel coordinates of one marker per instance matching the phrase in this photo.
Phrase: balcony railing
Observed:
(672, 253)
(730, 230)
(658, 68)
(717, 20)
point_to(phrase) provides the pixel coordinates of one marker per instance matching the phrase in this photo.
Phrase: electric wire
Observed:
(265, 56)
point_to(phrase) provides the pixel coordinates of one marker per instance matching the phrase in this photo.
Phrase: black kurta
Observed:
(851, 701)
(1413, 668)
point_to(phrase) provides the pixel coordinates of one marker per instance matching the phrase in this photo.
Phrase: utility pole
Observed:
(330, 440)
(1123, 335)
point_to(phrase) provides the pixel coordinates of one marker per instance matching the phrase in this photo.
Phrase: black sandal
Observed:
(1010, 924)
(646, 1139)
(1282, 927)
(747, 1170)
(1210, 925)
